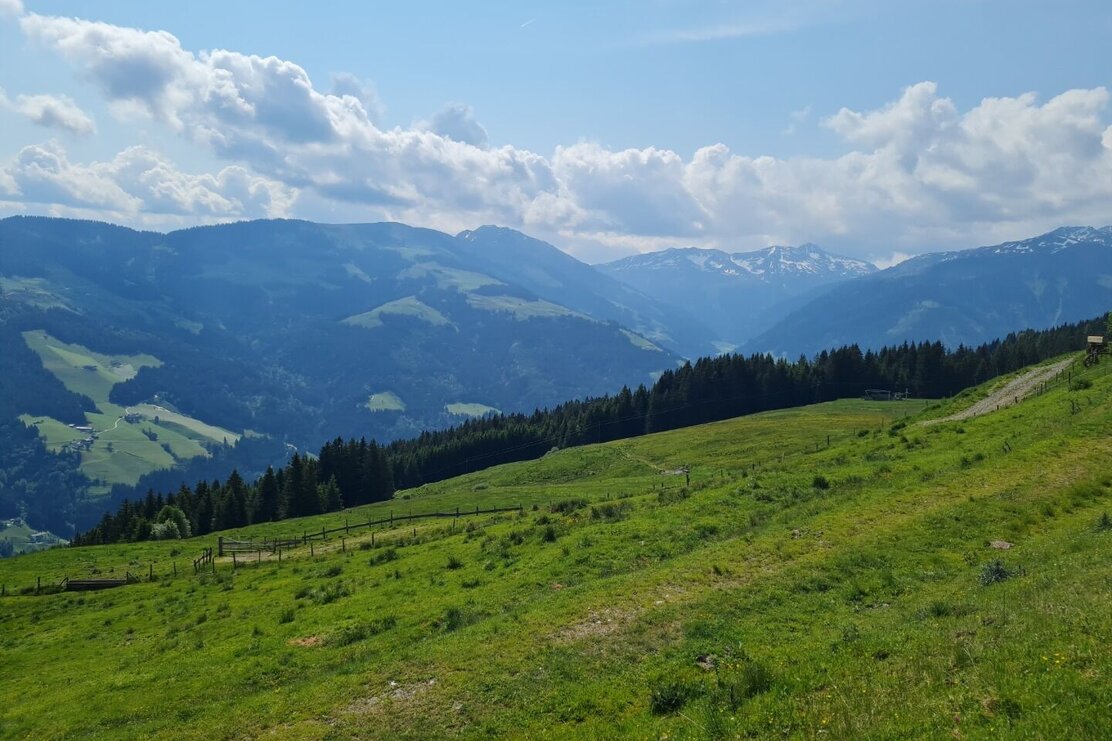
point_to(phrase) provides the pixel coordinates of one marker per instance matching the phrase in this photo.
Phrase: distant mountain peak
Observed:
(1050, 243)
(775, 262)
(1059, 239)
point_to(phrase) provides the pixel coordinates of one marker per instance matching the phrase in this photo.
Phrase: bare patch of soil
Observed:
(307, 641)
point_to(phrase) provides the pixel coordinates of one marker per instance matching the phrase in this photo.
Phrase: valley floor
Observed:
(837, 571)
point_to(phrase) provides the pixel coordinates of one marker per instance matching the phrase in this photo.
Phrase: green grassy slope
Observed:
(122, 450)
(796, 588)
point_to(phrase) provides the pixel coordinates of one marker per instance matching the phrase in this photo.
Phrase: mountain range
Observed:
(136, 359)
(738, 294)
(129, 353)
(959, 297)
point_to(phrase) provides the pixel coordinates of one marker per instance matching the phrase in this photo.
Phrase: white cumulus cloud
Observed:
(916, 173)
(457, 122)
(139, 182)
(52, 111)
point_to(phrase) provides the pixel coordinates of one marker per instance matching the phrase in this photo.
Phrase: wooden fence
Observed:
(205, 559)
(229, 546)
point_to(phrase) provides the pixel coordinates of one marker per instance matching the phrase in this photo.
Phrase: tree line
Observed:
(345, 474)
(353, 472)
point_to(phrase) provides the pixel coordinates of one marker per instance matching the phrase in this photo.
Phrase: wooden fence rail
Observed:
(229, 546)
(205, 559)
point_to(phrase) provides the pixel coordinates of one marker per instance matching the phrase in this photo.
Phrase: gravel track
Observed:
(1014, 391)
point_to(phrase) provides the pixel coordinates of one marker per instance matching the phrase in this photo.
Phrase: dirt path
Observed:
(1015, 390)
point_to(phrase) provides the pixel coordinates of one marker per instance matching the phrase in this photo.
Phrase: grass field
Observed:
(385, 401)
(83, 371)
(837, 571)
(35, 292)
(469, 409)
(410, 306)
(640, 342)
(521, 309)
(122, 451)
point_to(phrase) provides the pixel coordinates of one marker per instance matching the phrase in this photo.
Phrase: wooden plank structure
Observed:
(89, 585)
(1097, 347)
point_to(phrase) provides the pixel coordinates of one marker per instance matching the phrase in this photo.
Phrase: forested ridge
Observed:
(353, 472)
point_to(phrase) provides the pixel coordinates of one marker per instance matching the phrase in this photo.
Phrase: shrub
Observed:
(668, 696)
(568, 506)
(1081, 384)
(609, 511)
(387, 555)
(330, 593)
(286, 616)
(820, 482)
(454, 563)
(361, 631)
(549, 534)
(456, 618)
(332, 571)
(670, 496)
(749, 678)
(994, 572)
(1104, 523)
(704, 530)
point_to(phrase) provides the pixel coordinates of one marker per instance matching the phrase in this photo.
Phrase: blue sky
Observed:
(875, 128)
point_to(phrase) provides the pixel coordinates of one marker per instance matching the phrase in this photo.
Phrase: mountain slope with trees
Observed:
(284, 332)
(356, 472)
(965, 297)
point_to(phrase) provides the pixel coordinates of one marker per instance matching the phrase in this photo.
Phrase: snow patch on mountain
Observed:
(777, 261)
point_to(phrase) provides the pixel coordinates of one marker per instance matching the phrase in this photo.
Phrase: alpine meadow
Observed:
(620, 370)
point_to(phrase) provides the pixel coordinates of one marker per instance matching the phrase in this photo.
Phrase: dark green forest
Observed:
(353, 472)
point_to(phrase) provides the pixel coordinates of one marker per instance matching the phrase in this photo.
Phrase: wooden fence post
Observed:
(312, 553)
(323, 536)
(372, 539)
(344, 545)
(38, 584)
(235, 562)
(347, 527)
(175, 568)
(150, 572)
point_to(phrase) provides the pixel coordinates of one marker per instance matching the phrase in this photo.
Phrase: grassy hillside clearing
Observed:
(124, 442)
(410, 306)
(385, 401)
(469, 409)
(897, 581)
(521, 309)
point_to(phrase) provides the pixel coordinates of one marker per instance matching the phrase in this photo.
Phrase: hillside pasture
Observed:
(832, 571)
(121, 452)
